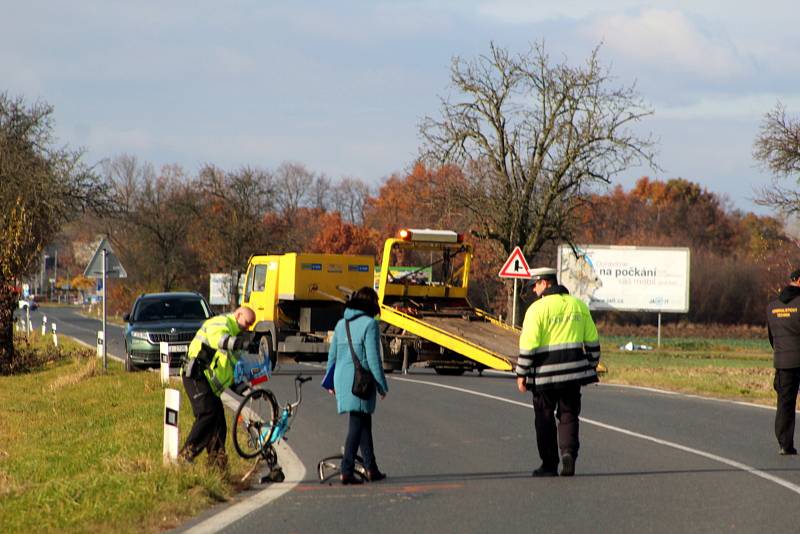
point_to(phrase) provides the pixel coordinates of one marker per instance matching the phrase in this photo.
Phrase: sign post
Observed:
(105, 264)
(515, 267)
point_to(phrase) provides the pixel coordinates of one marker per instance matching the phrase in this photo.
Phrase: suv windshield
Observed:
(170, 308)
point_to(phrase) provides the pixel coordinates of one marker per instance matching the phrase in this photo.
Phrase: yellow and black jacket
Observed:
(559, 344)
(216, 344)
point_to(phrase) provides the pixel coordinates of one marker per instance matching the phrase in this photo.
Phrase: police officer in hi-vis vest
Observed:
(208, 371)
(559, 350)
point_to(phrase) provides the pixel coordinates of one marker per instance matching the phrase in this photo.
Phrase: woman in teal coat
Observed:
(360, 312)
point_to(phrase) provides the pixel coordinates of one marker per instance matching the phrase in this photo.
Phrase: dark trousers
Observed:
(563, 404)
(209, 429)
(786, 384)
(359, 436)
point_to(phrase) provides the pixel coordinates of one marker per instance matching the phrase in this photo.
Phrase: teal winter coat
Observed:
(366, 343)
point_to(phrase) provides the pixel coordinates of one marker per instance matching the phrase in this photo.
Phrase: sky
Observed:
(342, 86)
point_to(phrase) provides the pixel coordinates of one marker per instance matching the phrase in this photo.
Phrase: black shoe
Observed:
(567, 465)
(375, 476)
(348, 480)
(787, 451)
(544, 472)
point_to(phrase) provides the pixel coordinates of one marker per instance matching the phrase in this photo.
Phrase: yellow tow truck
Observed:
(427, 318)
(299, 297)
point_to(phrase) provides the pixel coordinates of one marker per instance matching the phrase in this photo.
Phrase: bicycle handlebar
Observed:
(302, 379)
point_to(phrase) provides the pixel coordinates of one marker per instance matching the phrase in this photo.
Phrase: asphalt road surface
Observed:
(69, 322)
(459, 452)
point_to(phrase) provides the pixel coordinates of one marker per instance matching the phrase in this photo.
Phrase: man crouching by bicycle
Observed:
(208, 371)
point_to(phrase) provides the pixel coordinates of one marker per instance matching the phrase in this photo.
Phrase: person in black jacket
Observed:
(783, 326)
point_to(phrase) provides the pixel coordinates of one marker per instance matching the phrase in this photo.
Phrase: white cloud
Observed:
(668, 39)
(748, 107)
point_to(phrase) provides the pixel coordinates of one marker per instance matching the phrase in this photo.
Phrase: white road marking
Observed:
(721, 459)
(295, 472)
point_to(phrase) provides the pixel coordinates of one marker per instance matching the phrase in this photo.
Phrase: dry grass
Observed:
(87, 369)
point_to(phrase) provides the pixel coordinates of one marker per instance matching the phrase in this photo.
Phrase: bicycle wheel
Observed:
(253, 422)
(330, 467)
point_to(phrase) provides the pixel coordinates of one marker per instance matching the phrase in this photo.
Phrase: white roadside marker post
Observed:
(44, 325)
(172, 405)
(164, 346)
(55, 336)
(100, 343)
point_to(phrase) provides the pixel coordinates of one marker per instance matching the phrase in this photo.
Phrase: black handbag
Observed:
(363, 381)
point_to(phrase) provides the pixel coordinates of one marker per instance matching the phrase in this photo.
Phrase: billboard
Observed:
(219, 290)
(627, 278)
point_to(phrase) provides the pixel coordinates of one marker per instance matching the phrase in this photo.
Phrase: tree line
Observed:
(523, 152)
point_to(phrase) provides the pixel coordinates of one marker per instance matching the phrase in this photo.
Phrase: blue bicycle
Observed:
(257, 426)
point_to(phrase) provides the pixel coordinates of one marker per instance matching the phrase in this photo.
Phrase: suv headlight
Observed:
(140, 335)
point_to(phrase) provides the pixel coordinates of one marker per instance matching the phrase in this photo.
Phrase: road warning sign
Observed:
(515, 266)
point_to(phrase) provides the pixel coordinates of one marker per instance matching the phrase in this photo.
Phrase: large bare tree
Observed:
(777, 147)
(533, 137)
(41, 187)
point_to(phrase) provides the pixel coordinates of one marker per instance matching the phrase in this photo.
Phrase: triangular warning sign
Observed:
(114, 268)
(515, 266)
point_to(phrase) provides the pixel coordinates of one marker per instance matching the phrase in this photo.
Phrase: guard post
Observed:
(55, 336)
(164, 350)
(172, 406)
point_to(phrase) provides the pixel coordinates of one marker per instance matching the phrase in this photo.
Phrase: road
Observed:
(70, 323)
(459, 452)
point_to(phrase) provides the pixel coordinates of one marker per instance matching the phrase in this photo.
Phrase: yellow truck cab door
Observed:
(260, 287)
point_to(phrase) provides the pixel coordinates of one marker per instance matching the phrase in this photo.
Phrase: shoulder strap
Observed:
(356, 363)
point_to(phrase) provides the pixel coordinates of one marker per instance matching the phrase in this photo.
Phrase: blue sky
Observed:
(341, 86)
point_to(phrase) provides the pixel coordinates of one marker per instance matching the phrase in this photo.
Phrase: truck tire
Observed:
(449, 371)
(265, 350)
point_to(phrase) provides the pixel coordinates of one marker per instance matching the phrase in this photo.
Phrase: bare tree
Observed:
(777, 147)
(348, 197)
(41, 187)
(293, 183)
(533, 137)
(319, 193)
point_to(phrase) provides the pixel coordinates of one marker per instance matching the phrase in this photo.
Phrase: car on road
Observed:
(173, 318)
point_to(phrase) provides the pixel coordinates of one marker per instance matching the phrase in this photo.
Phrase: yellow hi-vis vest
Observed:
(215, 334)
(559, 344)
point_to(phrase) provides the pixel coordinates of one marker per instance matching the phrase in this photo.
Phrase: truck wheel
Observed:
(449, 371)
(266, 351)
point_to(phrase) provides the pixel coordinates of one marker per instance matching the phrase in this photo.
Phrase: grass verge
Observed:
(80, 451)
(725, 368)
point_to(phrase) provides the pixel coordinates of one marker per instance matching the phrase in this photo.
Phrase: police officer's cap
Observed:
(543, 273)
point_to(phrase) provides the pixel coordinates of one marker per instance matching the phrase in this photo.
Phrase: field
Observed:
(735, 365)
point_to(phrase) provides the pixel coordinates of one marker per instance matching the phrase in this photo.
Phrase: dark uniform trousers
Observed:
(209, 429)
(564, 404)
(359, 436)
(786, 385)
